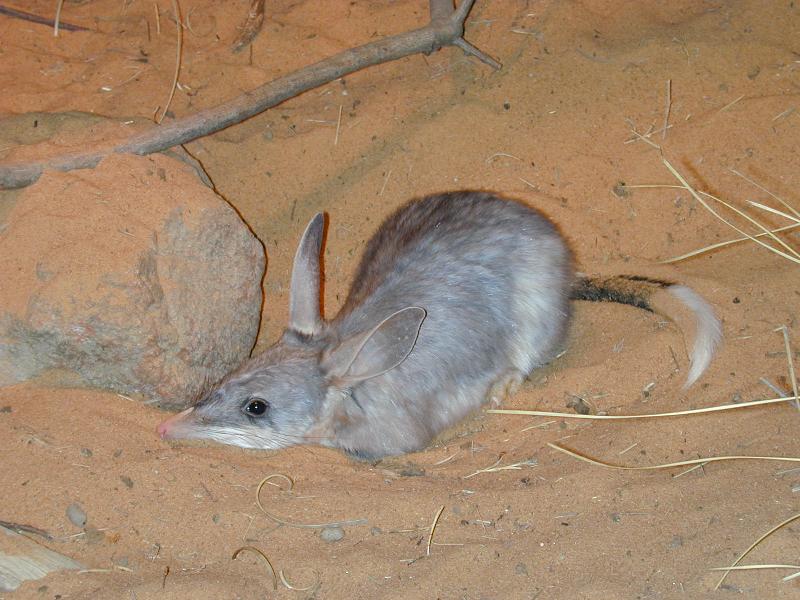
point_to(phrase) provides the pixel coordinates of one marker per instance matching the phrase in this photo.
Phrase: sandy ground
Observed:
(554, 128)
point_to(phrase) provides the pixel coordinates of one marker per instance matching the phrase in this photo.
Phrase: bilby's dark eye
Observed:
(256, 407)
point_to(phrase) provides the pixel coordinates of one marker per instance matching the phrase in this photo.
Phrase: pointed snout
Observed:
(166, 429)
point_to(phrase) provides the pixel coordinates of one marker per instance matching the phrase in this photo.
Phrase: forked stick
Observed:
(446, 28)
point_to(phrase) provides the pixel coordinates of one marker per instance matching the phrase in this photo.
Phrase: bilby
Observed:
(457, 299)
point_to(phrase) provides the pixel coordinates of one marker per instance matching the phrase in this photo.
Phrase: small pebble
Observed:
(620, 190)
(76, 515)
(332, 534)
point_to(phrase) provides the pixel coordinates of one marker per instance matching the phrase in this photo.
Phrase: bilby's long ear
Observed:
(378, 350)
(304, 307)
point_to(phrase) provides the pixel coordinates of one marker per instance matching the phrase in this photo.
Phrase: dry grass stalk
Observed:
(178, 54)
(494, 468)
(542, 413)
(262, 555)
(790, 362)
(282, 521)
(57, 20)
(433, 528)
(289, 586)
(725, 243)
(682, 463)
(755, 567)
(753, 545)
(766, 191)
(667, 110)
(794, 256)
(791, 214)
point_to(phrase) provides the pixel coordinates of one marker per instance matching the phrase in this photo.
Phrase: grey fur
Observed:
(458, 297)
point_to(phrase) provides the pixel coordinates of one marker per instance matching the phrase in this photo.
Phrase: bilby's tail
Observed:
(693, 315)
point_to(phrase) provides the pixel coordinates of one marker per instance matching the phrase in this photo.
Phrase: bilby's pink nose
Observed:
(164, 429)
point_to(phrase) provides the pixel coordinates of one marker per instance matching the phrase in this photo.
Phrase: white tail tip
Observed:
(707, 331)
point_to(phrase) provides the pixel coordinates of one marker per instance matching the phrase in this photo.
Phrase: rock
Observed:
(134, 276)
(76, 515)
(22, 559)
(332, 534)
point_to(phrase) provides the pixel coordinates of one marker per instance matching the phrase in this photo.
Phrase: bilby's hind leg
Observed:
(504, 386)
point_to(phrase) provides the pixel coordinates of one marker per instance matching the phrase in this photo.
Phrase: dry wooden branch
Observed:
(446, 27)
(32, 18)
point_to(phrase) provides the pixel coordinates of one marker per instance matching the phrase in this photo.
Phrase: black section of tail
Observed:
(633, 290)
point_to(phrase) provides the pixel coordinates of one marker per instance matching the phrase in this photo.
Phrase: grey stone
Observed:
(76, 515)
(134, 276)
(332, 534)
(23, 559)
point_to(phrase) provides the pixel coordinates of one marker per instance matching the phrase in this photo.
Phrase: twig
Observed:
(22, 528)
(445, 28)
(178, 51)
(32, 18)
(777, 389)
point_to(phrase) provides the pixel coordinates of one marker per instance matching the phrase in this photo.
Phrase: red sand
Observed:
(554, 128)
